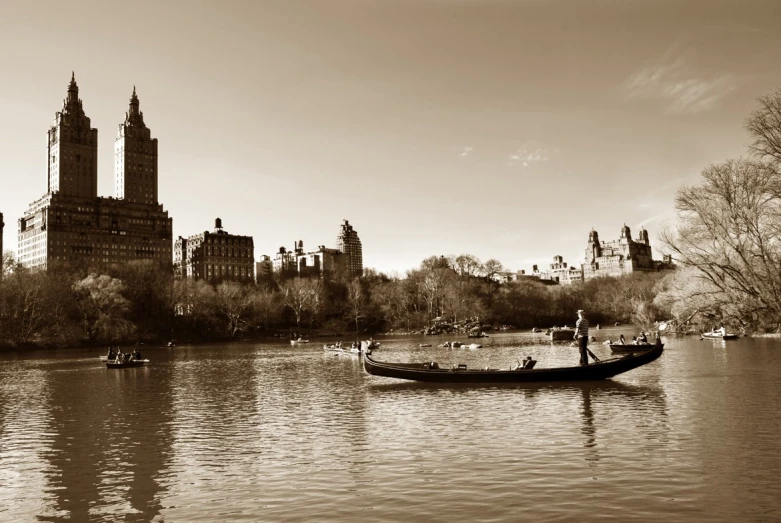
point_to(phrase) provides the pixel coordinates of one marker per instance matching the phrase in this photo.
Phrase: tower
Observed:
(73, 149)
(626, 234)
(348, 242)
(593, 249)
(643, 236)
(135, 158)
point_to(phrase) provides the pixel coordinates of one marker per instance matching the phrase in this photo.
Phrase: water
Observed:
(269, 432)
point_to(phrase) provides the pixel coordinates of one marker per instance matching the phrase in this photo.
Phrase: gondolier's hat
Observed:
(581, 311)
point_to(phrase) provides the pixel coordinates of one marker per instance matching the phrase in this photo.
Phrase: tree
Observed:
(235, 301)
(102, 306)
(730, 230)
(764, 126)
(356, 302)
(302, 295)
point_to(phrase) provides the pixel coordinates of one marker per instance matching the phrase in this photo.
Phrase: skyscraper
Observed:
(70, 224)
(347, 241)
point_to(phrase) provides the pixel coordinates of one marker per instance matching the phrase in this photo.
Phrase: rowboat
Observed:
(718, 336)
(299, 340)
(125, 364)
(562, 335)
(630, 347)
(430, 371)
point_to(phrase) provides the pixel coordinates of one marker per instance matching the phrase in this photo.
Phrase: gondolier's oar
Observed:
(592, 354)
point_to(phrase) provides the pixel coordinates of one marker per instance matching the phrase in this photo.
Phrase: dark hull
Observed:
(125, 365)
(630, 347)
(595, 371)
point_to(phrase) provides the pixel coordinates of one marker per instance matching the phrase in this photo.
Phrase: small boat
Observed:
(630, 347)
(125, 364)
(562, 335)
(299, 340)
(718, 336)
(473, 346)
(425, 345)
(430, 371)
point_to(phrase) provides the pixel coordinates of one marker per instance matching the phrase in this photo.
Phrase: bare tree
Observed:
(302, 295)
(235, 302)
(356, 301)
(730, 230)
(764, 125)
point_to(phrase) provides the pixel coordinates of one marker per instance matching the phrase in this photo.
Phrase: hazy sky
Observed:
(504, 129)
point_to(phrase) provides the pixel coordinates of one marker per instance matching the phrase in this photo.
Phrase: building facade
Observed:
(321, 262)
(618, 257)
(559, 272)
(215, 256)
(264, 270)
(70, 224)
(347, 242)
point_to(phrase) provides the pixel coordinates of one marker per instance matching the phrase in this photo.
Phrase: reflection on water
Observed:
(269, 432)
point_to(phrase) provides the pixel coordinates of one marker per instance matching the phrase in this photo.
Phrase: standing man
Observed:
(581, 334)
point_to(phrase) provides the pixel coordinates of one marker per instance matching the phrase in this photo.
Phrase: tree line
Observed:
(144, 302)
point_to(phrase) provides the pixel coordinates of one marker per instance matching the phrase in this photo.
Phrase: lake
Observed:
(262, 431)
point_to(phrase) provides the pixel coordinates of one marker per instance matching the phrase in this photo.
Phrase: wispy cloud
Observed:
(465, 151)
(675, 82)
(529, 153)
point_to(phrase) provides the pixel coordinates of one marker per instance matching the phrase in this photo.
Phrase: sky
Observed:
(503, 129)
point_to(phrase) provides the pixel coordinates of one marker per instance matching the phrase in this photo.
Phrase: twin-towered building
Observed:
(71, 224)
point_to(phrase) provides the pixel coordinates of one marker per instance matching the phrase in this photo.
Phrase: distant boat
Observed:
(125, 364)
(299, 340)
(718, 336)
(562, 335)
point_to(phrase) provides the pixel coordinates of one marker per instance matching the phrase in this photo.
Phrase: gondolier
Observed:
(581, 335)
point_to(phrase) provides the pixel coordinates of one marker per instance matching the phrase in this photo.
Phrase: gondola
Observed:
(430, 371)
(630, 347)
(125, 364)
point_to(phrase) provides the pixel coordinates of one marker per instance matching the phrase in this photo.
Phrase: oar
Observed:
(592, 354)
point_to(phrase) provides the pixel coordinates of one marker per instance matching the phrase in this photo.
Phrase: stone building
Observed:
(215, 256)
(618, 257)
(560, 272)
(321, 262)
(70, 224)
(347, 241)
(264, 270)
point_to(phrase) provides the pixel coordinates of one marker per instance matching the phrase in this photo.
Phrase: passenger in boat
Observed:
(111, 354)
(622, 340)
(642, 338)
(722, 331)
(581, 335)
(634, 340)
(137, 354)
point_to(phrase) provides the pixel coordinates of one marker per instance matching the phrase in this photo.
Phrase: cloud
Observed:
(465, 151)
(675, 82)
(529, 153)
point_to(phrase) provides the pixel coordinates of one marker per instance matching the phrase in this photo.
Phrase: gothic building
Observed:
(617, 257)
(215, 256)
(348, 242)
(71, 224)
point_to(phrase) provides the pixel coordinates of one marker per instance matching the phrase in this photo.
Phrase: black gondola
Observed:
(430, 371)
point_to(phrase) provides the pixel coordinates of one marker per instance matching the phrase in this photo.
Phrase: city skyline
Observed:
(488, 128)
